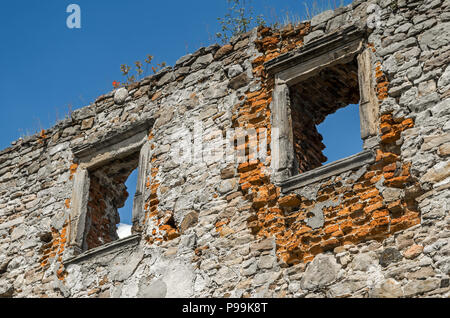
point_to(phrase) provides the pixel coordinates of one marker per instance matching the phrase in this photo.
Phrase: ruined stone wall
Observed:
(228, 229)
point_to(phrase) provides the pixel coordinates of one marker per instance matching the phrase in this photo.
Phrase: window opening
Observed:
(126, 212)
(107, 194)
(341, 133)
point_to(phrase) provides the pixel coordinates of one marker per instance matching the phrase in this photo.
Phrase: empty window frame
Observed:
(107, 194)
(310, 84)
(99, 188)
(311, 101)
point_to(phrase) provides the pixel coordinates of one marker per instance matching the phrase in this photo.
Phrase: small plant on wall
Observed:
(139, 72)
(239, 19)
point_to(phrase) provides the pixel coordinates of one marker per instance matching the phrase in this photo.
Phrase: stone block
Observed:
(417, 287)
(389, 255)
(321, 272)
(322, 17)
(239, 81)
(120, 96)
(388, 288)
(224, 50)
(413, 251)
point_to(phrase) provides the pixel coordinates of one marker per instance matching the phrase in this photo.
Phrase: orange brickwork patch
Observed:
(382, 82)
(358, 211)
(163, 223)
(54, 250)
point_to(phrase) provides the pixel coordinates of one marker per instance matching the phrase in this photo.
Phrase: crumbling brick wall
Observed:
(341, 211)
(226, 228)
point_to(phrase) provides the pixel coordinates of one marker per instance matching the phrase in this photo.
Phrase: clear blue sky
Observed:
(45, 67)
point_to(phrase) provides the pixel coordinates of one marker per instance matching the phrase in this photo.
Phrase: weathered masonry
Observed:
(279, 223)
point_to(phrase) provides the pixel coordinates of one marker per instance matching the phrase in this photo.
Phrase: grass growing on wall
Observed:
(317, 7)
(241, 16)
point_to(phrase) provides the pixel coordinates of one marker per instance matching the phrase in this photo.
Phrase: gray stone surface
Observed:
(313, 36)
(120, 96)
(362, 262)
(202, 61)
(416, 287)
(322, 17)
(234, 70)
(321, 272)
(436, 37)
(389, 255)
(388, 288)
(152, 289)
